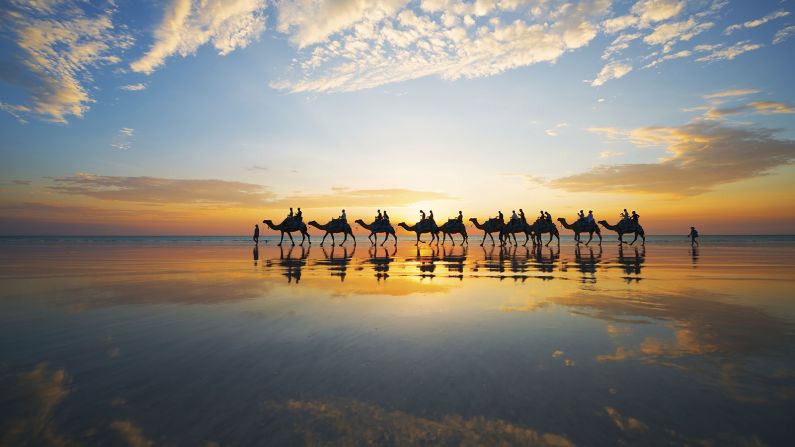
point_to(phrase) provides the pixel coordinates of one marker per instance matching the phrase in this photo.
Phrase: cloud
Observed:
(763, 107)
(619, 44)
(757, 22)
(612, 70)
(133, 87)
(610, 154)
(60, 44)
(731, 93)
(131, 433)
(189, 24)
(667, 57)
(371, 48)
(123, 140)
(669, 33)
(702, 155)
(551, 132)
(783, 34)
(353, 198)
(731, 52)
(643, 13)
(162, 190)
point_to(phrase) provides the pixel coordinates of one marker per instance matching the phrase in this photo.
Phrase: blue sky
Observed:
(314, 98)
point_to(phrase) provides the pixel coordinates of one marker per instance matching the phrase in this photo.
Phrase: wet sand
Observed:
(129, 341)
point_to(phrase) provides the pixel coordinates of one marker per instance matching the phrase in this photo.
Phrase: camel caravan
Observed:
(506, 231)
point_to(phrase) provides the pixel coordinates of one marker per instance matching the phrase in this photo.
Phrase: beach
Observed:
(195, 341)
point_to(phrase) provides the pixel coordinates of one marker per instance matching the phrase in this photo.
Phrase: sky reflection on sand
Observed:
(188, 344)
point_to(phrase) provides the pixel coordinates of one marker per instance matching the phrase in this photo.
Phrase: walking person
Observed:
(256, 234)
(693, 237)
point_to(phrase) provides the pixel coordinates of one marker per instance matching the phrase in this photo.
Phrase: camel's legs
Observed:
(332, 238)
(418, 239)
(324, 239)
(370, 238)
(291, 237)
(590, 237)
(282, 239)
(515, 242)
(344, 239)
(636, 238)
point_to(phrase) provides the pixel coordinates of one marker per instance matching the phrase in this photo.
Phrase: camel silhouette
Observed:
(544, 226)
(582, 227)
(289, 225)
(334, 226)
(517, 226)
(451, 227)
(492, 225)
(626, 227)
(378, 226)
(423, 226)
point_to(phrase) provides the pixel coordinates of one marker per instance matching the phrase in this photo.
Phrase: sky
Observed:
(204, 117)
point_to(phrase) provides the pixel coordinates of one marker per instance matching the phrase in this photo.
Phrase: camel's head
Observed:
(603, 222)
(403, 224)
(311, 222)
(359, 221)
(561, 219)
(473, 219)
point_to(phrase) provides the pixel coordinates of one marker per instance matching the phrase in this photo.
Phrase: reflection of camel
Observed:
(631, 265)
(379, 226)
(544, 264)
(451, 227)
(492, 225)
(338, 266)
(587, 265)
(335, 226)
(381, 263)
(427, 264)
(289, 226)
(423, 226)
(580, 226)
(544, 226)
(626, 227)
(517, 226)
(292, 266)
(453, 262)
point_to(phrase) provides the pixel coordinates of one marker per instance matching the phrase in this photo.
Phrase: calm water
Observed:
(205, 341)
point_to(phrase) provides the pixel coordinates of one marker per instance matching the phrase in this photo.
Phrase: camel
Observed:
(451, 227)
(626, 227)
(492, 225)
(545, 226)
(379, 226)
(423, 226)
(334, 226)
(517, 226)
(289, 226)
(580, 226)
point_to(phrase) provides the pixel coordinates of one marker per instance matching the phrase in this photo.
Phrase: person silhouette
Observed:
(378, 216)
(548, 216)
(299, 215)
(422, 215)
(500, 217)
(581, 216)
(590, 218)
(635, 216)
(521, 215)
(693, 236)
(256, 233)
(460, 216)
(343, 216)
(386, 216)
(625, 215)
(514, 216)
(291, 213)
(542, 214)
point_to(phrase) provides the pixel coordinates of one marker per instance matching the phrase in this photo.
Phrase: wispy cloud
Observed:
(612, 70)
(783, 34)
(189, 24)
(756, 22)
(702, 155)
(729, 53)
(123, 139)
(731, 93)
(60, 43)
(133, 87)
(763, 107)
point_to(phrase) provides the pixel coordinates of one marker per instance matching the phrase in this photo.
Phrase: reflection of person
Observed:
(256, 233)
(693, 236)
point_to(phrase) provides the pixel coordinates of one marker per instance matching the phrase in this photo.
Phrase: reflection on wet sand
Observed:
(169, 345)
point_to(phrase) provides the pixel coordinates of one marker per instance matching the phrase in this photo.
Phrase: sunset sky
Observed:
(207, 116)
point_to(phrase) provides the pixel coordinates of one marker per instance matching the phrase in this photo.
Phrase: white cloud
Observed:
(551, 132)
(189, 24)
(677, 55)
(612, 70)
(377, 50)
(61, 42)
(643, 14)
(731, 93)
(123, 139)
(783, 34)
(731, 52)
(610, 154)
(757, 22)
(133, 87)
(669, 33)
(619, 44)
